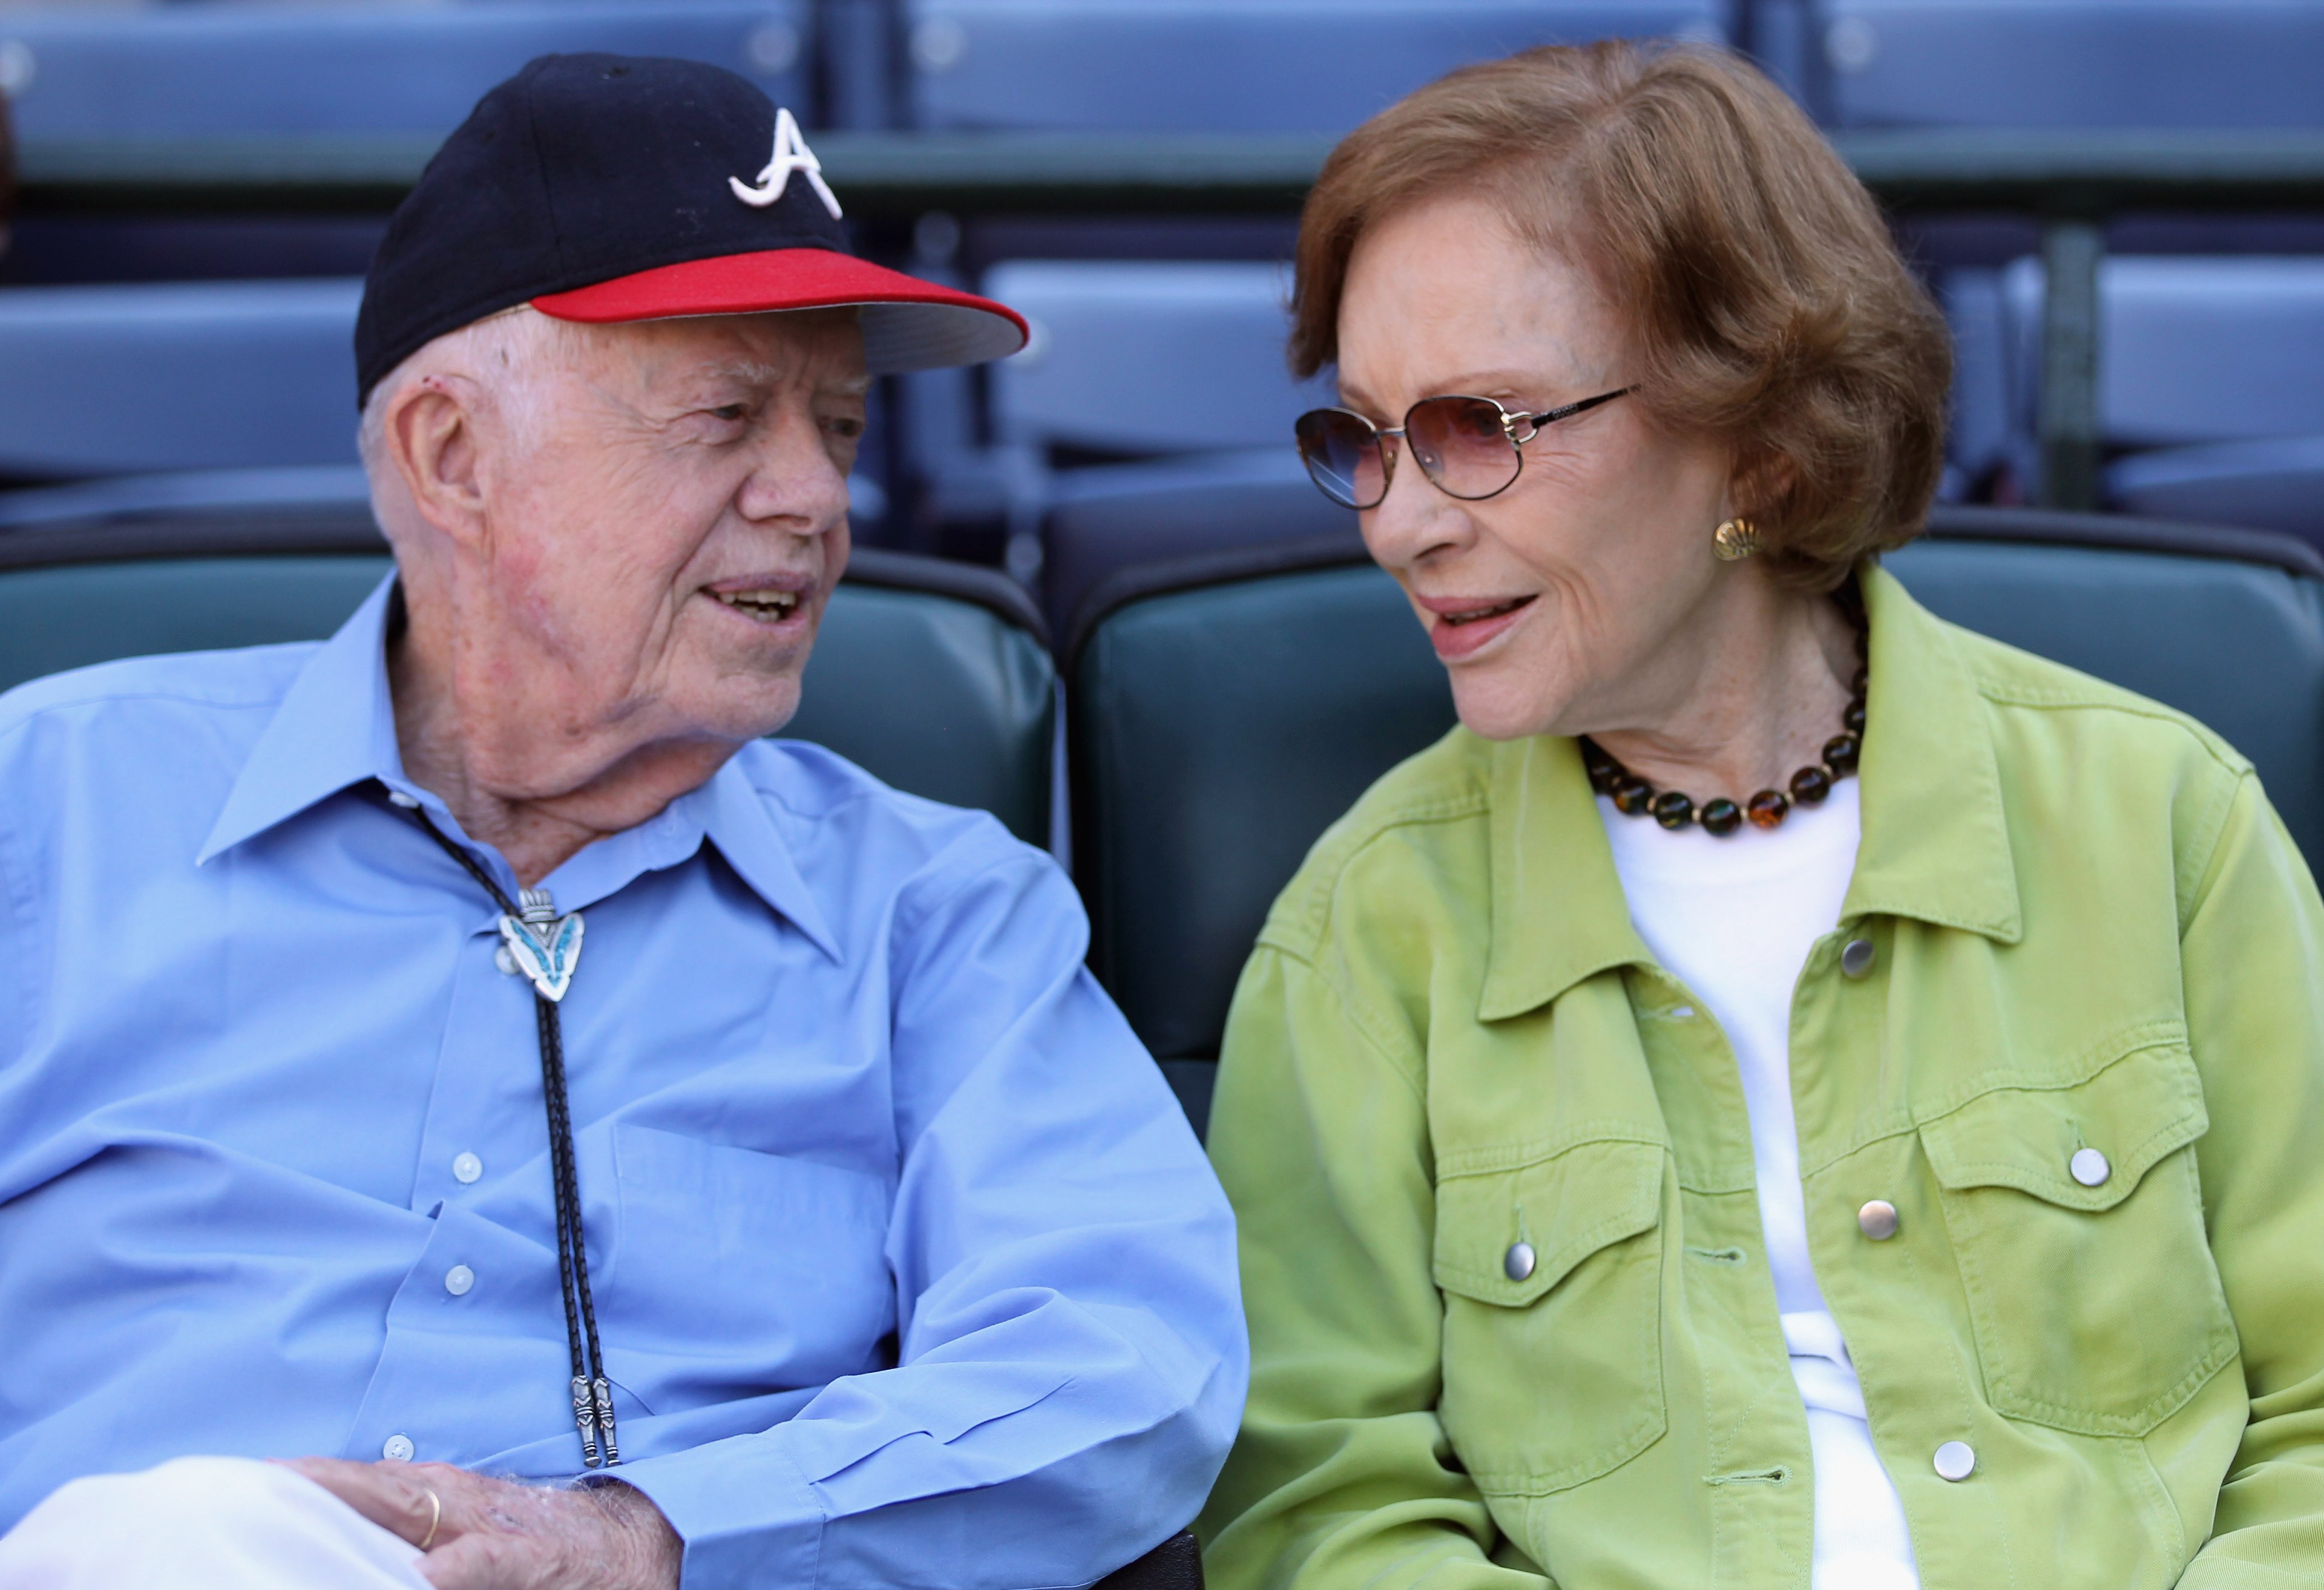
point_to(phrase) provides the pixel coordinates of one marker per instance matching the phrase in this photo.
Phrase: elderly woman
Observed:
(1789, 1092)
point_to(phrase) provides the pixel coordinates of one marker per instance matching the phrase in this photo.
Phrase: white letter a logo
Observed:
(791, 154)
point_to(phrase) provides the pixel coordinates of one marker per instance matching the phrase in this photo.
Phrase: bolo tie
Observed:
(546, 947)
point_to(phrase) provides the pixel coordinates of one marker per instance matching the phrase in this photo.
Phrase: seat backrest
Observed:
(242, 68)
(2191, 349)
(1104, 520)
(116, 380)
(1224, 711)
(935, 678)
(1240, 66)
(1149, 357)
(2070, 63)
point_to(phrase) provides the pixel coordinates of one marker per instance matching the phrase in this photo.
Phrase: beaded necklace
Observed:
(1633, 797)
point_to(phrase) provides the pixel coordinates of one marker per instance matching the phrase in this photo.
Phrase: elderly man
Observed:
(810, 1218)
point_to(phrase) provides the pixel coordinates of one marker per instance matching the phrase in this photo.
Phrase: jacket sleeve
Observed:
(2253, 953)
(1070, 1358)
(1343, 1475)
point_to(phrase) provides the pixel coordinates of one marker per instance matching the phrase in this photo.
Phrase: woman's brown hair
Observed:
(1769, 303)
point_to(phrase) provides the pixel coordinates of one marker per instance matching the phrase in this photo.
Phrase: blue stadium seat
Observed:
(2068, 63)
(121, 380)
(1143, 378)
(2276, 484)
(2199, 360)
(1137, 357)
(1990, 429)
(239, 66)
(1242, 65)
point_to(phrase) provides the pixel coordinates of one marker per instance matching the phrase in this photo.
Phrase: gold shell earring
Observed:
(1735, 540)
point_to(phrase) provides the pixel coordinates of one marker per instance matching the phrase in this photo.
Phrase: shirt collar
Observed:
(335, 729)
(1935, 847)
(736, 818)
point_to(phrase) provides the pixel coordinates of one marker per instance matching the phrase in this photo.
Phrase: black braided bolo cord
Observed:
(592, 1391)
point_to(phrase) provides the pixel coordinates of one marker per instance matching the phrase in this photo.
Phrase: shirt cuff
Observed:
(746, 1513)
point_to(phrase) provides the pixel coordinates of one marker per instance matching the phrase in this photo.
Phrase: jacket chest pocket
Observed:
(2077, 1219)
(1551, 1276)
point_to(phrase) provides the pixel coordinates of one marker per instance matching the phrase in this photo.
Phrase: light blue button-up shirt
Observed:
(907, 1269)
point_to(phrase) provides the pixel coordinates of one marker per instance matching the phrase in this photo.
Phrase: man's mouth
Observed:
(768, 607)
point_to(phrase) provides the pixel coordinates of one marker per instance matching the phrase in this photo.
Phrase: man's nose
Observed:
(794, 478)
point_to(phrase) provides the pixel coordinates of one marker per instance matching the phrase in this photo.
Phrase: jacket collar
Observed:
(335, 729)
(1936, 834)
(1935, 847)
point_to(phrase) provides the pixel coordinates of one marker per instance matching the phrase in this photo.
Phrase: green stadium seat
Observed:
(935, 677)
(1224, 710)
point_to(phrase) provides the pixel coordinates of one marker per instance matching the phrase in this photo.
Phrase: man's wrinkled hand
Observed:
(497, 1535)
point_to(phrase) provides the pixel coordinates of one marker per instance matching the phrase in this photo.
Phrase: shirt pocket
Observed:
(1554, 1376)
(744, 1271)
(2098, 1308)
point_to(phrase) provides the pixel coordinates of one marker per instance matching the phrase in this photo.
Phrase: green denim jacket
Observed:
(2091, 930)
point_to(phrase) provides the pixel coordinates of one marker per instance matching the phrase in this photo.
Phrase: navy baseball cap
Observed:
(608, 187)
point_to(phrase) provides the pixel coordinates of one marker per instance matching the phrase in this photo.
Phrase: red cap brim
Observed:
(908, 323)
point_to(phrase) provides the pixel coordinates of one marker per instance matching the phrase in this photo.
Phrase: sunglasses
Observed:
(1468, 447)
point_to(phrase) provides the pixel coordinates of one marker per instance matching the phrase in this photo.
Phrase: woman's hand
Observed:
(490, 1534)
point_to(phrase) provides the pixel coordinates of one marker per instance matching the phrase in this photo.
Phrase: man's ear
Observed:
(430, 433)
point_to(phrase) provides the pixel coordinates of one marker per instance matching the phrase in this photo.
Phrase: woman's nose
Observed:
(1413, 518)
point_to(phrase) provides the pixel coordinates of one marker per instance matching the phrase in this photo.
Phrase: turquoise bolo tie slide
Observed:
(546, 946)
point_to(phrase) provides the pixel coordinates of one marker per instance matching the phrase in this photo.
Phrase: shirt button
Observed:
(466, 1168)
(458, 1279)
(2089, 1167)
(1956, 1460)
(396, 1448)
(505, 961)
(1683, 1013)
(1517, 1262)
(1877, 1219)
(1856, 957)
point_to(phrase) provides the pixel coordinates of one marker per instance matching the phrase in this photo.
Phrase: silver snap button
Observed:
(2089, 1167)
(1956, 1461)
(1856, 957)
(1517, 1262)
(505, 961)
(466, 1168)
(397, 1449)
(1877, 1219)
(458, 1279)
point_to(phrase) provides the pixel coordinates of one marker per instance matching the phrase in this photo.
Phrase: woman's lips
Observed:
(1459, 629)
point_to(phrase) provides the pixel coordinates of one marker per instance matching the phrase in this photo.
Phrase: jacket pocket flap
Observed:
(1564, 1207)
(2140, 1107)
